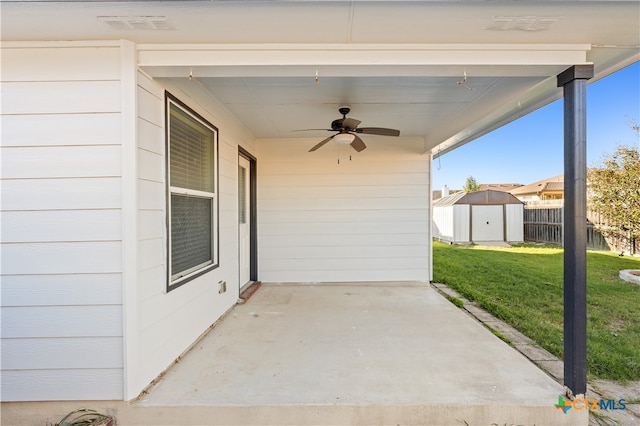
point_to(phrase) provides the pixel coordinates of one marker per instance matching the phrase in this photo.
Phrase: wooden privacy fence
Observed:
(544, 225)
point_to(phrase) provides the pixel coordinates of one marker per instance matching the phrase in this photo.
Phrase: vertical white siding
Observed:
(443, 223)
(61, 222)
(361, 220)
(168, 323)
(515, 222)
(461, 223)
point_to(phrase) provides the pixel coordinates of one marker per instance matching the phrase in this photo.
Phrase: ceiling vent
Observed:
(157, 23)
(523, 23)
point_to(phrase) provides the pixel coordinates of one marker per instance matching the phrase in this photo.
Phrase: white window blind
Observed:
(192, 186)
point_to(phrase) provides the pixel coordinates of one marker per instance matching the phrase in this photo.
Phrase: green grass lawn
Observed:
(523, 286)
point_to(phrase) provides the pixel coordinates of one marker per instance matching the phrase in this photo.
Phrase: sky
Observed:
(531, 148)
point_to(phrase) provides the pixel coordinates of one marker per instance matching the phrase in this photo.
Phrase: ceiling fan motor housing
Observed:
(337, 124)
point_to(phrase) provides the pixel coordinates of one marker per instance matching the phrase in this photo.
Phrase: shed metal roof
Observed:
(486, 197)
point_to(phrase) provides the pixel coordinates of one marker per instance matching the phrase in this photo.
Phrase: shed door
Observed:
(487, 223)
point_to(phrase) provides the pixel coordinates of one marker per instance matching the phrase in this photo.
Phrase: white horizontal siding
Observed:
(339, 216)
(352, 191)
(61, 161)
(151, 195)
(150, 136)
(64, 63)
(169, 322)
(268, 244)
(338, 180)
(59, 289)
(150, 104)
(62, 353)
(61, 194)
(151, 166)
(61, 258)
(327, 275)
(62, 321)
(61, 225)
(71, 129)
(61, 97)
(62, 384)
(187, 316)
(149, 281)
(151, 224)
(351, 262)
(362, 220)
(152, 253)
(403, 252)
(353, 228)
(354, 202)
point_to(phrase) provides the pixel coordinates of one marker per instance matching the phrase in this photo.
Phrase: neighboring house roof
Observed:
(553, 184)
(486, 197)
(504, 187)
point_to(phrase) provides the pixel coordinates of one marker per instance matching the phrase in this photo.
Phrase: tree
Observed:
(471, 185)
(614, 192)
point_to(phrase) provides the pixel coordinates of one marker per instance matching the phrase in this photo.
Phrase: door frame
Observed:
(253, 214)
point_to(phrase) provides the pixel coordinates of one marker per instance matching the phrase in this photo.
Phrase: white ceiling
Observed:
(398, 64)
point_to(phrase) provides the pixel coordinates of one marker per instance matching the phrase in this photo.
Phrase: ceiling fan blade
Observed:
(350, 123)
(321, 143)
(378, 131)
(307, 130)
(358, 144)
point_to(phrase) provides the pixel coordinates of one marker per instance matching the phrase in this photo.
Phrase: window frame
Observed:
(191, 273)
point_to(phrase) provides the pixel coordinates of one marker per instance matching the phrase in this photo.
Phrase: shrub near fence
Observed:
(544, 225)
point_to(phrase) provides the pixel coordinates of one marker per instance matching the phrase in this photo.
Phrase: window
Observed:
(192, 202)
(242, 195)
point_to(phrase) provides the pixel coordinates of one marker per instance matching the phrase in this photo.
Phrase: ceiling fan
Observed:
(347, 129)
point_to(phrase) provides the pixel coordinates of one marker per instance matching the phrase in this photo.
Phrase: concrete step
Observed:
(126, 414)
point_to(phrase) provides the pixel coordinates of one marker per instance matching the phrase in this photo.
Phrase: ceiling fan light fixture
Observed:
(343, 138)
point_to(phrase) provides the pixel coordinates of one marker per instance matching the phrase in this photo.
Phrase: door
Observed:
(487, 223)
(244, 219)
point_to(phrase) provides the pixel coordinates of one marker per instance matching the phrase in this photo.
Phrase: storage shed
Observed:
(477, 217)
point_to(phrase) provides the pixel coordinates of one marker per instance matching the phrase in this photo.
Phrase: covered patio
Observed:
(352, 353)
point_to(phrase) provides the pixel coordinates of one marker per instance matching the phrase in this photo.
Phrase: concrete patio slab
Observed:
(392, 353)
(338, 354)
